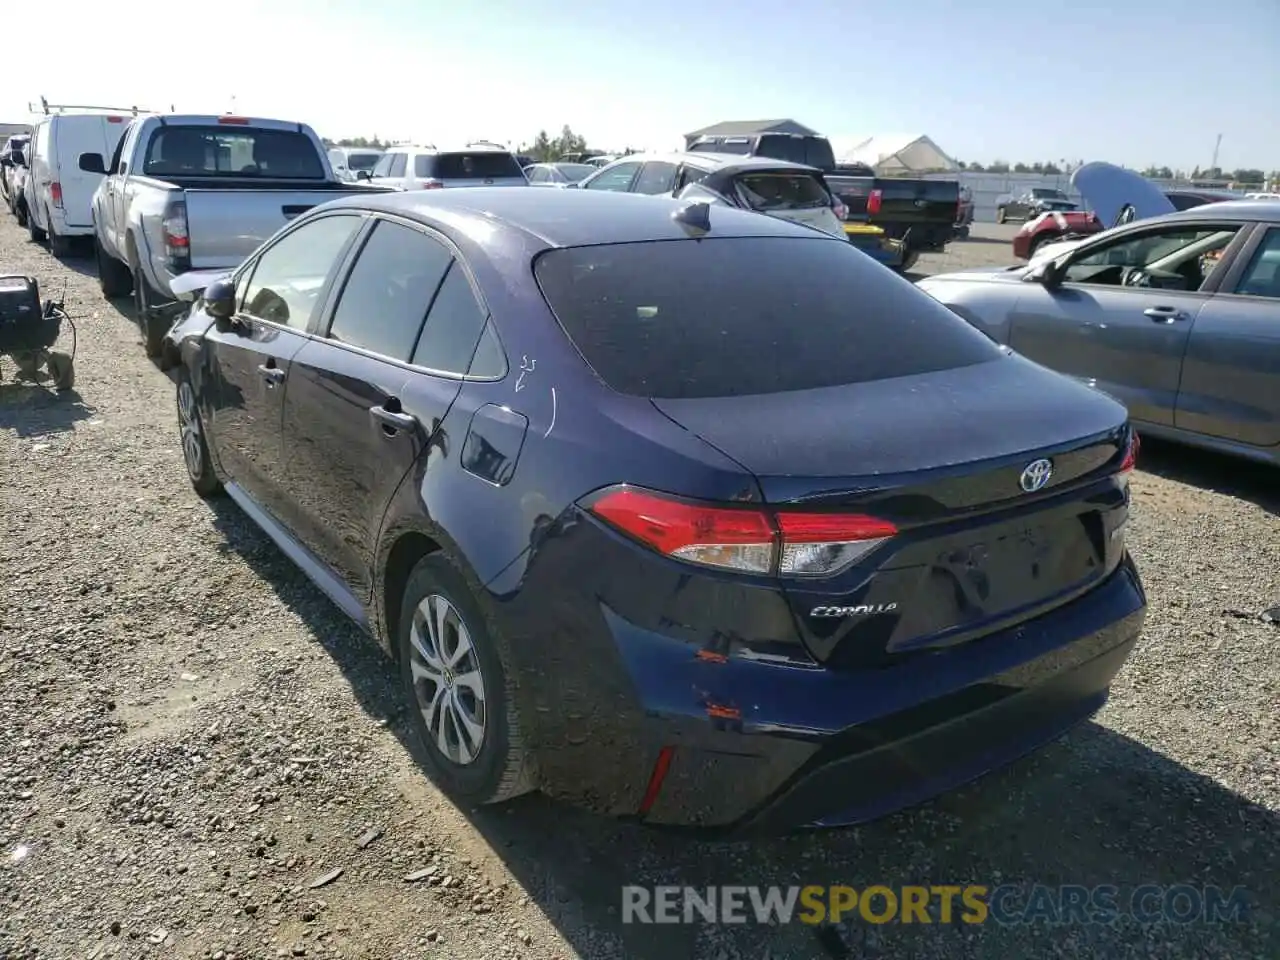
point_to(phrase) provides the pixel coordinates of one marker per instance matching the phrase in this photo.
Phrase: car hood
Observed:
(1108, 188)
(1011, 272)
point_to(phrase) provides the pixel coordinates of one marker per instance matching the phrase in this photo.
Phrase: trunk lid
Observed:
(976, 549)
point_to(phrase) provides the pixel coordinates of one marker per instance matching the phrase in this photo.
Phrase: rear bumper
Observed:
(756, 744)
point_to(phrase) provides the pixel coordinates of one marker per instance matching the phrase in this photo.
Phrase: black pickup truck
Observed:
(921, 212)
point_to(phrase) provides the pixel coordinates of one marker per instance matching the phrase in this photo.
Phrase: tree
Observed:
(976, 168)
(998, 166)
(570, 142)
(1021, 168)
(1248, 175)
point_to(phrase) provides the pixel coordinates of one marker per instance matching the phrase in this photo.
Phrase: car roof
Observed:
(562, 218)
(1243, 211)
(451, 148)
(720, 162)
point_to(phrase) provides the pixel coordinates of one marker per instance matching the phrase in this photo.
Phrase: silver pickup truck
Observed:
(198, 193)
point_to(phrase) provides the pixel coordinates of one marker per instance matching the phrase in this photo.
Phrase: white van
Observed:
(59, 194)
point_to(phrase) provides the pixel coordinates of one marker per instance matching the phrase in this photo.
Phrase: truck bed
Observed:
(922, 211)
(228, 220)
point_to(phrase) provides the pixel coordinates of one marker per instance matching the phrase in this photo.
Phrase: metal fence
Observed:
(987, 188)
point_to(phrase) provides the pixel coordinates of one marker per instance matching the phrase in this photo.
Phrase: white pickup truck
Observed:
(187, 193)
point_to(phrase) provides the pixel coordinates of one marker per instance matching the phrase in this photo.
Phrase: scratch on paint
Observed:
(553, 414)
(526, 366)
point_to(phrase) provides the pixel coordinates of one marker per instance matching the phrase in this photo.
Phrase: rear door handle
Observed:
(393, 421)
(273, 375)
(1165, 314)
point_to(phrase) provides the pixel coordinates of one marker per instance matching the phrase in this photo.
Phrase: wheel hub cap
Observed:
(447, 680)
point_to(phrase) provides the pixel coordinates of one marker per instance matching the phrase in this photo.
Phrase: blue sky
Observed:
(1130, 81)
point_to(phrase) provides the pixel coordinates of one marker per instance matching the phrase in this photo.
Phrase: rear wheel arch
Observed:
(407, 549)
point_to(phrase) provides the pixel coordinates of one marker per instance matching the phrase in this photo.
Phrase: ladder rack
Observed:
(47, 108)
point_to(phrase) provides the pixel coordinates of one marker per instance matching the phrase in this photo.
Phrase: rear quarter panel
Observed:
(987, 306)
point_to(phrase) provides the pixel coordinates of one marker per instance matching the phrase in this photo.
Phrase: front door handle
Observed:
(273, 375)
(1165, 314)
(393, 421)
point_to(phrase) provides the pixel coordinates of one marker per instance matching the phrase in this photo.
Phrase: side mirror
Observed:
(364, 175)
(1046, 274)
(220, 301)
(92, 163)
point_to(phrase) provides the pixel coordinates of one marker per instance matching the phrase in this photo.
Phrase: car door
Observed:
(1231, 375)
(278, 292)
(353, 424)
(616, 176)
(1128, 341)
(1018, 207)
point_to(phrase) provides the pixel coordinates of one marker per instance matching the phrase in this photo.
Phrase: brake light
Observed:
(431, 184)
(874, 199)
(115, 119)
(55, 193)
(234, 121)
(177, 240)
(1130, 461)
(746, 538)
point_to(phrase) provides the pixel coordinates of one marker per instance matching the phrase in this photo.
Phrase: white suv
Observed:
(423, 167)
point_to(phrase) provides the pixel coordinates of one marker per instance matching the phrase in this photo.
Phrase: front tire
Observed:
(195, 449)
(460, 694)
(1001, 215)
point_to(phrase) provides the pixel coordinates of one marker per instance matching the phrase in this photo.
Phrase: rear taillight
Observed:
(747, 538)
(431, 184)
(1130, 461)
(55, 193)
(874, 199)
(177, 241)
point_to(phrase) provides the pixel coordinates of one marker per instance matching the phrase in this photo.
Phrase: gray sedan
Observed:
(1177, 316)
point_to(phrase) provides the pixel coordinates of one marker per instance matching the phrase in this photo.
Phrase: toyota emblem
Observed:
(1035, 475)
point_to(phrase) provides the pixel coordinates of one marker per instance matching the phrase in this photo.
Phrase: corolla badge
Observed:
(861, 610)
(1035, 475)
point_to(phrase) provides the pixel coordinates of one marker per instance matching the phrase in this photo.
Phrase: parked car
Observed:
(557, 174)
(349, 162)
(58, 193)
(644, 512)
(1031, 203)
(1116, 196)
(8, 162)
(18, 171)
(1176, 316)
(920, 213)
(427, 168)
(788, 191)
(197, 193)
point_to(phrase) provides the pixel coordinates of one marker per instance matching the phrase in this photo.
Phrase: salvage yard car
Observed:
(197, 192)
(1176, 316)
(1031, 203)
(557, 451)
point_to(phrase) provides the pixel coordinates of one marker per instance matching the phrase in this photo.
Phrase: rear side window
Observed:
(477, 165)
(453, 326)
(781, 191)
(784, 313)
(389, 289)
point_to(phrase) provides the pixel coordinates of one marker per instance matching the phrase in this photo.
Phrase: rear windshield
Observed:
(478, 165)
(811, 151)
(784, 313)
(232, 151)
(362, 161)
(781, 191)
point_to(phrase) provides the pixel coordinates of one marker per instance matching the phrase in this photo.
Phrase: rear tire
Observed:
(1001, 216)
(439, 618)
(59, 245)
(113, 276)
(153, 329)
(20, 211)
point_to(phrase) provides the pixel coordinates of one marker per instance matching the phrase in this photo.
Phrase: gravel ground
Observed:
(201, 758)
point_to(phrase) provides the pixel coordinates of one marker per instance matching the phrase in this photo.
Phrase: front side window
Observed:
(618, 177)
(656, 178)
(383, 167)
(399, 163)
(388, 290)
(290, 275)
(1175, 258)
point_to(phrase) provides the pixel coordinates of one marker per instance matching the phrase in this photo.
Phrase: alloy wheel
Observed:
(447, 680)
(189, 424)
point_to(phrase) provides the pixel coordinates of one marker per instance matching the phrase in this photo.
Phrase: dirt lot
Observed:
(194, 738)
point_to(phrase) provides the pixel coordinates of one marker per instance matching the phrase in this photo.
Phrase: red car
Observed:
(1060, 225)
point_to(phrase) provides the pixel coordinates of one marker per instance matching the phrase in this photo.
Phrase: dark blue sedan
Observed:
(680, 512)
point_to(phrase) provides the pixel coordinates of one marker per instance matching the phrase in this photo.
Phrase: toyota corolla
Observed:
(677, 511)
